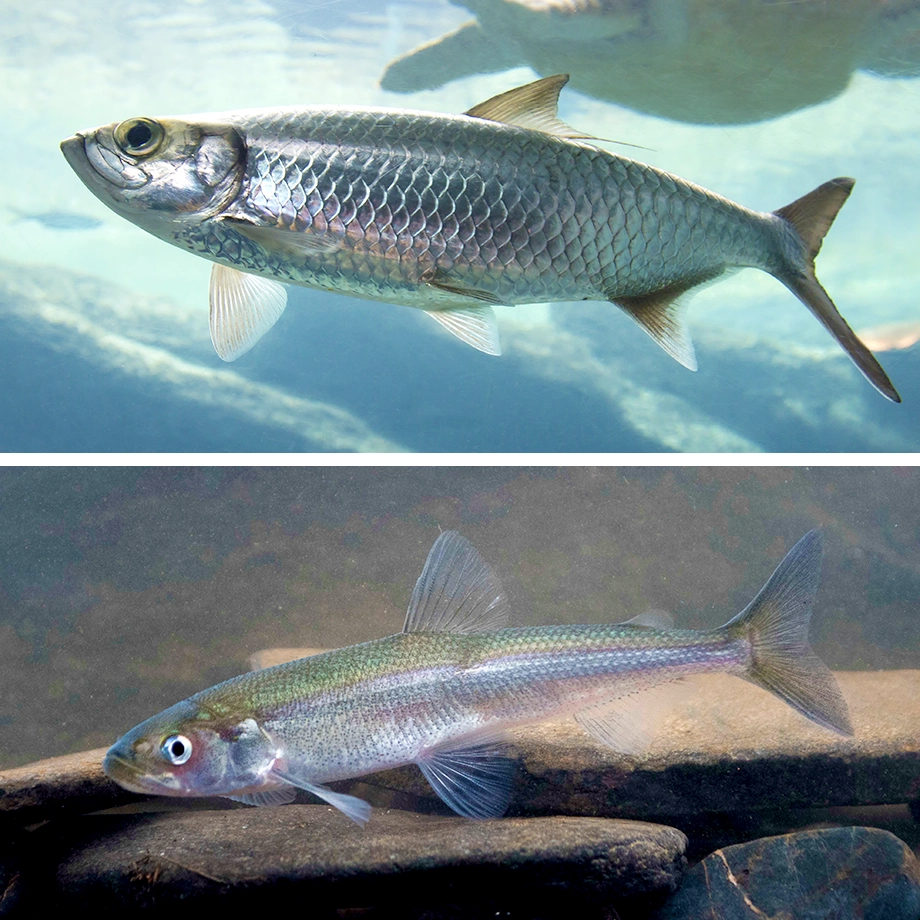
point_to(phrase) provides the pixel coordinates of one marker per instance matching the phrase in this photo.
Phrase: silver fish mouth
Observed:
(92, 159)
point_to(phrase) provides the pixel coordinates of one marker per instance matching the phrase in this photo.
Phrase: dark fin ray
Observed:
(811, 217)
(660, 314)
(776, 625)
(456, 592)
(475, 782)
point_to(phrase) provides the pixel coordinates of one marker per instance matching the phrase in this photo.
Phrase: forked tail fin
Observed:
(811, 216)
(776, 625)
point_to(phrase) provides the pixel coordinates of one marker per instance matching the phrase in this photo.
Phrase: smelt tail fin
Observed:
(776, 625)
(811, 216)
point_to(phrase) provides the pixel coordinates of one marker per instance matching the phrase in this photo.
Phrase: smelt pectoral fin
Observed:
(474, 325)
(282, 795)
(243, 308)
(659, 313)
(475, 782)
(457, 592)
(351, 806)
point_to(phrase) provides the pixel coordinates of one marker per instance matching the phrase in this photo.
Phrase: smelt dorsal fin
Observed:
(456, 592)
(532, 106)
(474, 781)
(243, 308)
(474, 325)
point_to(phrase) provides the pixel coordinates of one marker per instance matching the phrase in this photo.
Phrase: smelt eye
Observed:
(177, 749)
(139, 136)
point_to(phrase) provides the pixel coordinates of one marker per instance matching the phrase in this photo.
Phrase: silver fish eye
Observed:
(139, 136)
(177, 749)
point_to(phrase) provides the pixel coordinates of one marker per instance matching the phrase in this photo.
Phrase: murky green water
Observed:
(126, 590)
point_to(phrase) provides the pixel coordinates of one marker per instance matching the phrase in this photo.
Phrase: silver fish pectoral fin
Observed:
(357, 809)
(243, 308)
(474, 781)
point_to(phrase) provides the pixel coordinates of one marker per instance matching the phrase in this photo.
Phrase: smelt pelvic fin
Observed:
(243, 308)
(456, 592)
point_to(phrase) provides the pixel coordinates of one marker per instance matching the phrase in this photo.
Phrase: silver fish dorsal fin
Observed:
(456, 592)
(532, 106)
(243, 308)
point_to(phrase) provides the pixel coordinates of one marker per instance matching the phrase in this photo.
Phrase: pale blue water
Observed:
(105, 342)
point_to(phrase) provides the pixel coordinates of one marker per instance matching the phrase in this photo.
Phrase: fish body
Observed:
(451, 214)
(443, 693)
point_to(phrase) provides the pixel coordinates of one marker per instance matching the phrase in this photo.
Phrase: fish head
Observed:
(191, 750)
(160, 172)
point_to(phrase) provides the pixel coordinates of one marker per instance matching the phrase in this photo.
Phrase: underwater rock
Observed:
(310, 854)
(59, 785)
(818, 875)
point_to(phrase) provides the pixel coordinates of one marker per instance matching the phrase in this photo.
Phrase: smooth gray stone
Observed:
(311, 854)
(813, 875)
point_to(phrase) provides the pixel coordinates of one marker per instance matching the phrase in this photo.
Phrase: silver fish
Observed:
(442, 693)
(504, 204)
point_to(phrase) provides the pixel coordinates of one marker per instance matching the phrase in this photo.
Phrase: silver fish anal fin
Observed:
(457, 592)
(281, 795)
(659, 313)
(243, 308)
(475, 781)
(475, 326)
(531, 106)
(357, 809)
